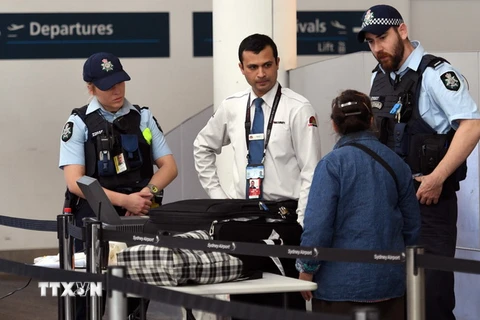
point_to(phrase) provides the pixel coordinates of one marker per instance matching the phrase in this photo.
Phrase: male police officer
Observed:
(423, 111)
(115, 142)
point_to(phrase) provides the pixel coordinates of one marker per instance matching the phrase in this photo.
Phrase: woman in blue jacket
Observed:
(355, 203)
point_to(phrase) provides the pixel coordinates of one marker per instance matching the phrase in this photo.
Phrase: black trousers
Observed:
(439, 236)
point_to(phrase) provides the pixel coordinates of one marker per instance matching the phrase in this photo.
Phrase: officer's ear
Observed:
(91, 88)
(403, 31)
(240, 65)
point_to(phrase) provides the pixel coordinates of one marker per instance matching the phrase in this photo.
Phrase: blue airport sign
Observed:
(202, 34)
(328, 32)
(318, 33)
(78, 35)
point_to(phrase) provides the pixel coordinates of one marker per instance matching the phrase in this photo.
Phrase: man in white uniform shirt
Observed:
(292, 148)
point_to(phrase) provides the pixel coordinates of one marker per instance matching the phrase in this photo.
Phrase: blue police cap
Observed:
(104, 70)
(378, 19)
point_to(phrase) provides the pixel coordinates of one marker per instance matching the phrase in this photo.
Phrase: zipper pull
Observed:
(212, 228)
(262, 206)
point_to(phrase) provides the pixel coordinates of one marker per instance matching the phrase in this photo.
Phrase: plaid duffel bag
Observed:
(171, 267)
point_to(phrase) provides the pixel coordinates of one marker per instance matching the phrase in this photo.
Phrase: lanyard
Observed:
(248, 122)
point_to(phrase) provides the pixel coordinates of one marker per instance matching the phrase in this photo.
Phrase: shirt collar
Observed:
(412, 62)
(94, 105)
(414, 59)
(267, 97)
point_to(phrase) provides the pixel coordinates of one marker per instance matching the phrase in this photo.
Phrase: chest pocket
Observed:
(281, 133)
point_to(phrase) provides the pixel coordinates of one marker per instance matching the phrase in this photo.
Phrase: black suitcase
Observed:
(238, 220)
(199, 214)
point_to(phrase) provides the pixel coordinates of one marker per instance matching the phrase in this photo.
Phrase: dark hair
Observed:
(351, 112)
(256, 43)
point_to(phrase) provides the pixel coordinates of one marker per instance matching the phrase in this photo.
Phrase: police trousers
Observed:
(439, 237)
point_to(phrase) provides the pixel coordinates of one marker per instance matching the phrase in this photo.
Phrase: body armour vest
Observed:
(116, 153)
(400, 126)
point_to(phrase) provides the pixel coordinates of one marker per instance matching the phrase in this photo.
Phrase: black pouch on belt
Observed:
(131, 151)
(432, 151)
(105, 164)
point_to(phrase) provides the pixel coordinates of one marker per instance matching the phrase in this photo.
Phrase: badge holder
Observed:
(255, 173)
(105, 165)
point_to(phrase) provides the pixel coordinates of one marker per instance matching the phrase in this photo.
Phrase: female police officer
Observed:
(115, 142)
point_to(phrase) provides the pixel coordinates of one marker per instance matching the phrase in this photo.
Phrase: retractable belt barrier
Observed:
(414, 259)
(426, 261)
(76, 232)
(254, 249)
(162, 294)
(430, 261)
(37, 225)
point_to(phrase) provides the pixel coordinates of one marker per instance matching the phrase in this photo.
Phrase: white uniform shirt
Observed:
(291, 156)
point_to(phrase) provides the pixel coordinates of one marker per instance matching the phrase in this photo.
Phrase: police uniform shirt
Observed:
(72, 150)
(444, 95)
(291, 156)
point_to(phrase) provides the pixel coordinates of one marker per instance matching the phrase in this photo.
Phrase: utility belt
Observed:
(424, 151)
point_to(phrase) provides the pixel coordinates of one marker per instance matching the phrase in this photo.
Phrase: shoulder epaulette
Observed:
(237, 95)
(429, 60)
(81, 112)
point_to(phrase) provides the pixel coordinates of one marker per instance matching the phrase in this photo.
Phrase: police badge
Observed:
(450, 81)
(376, 102)
(67, 131)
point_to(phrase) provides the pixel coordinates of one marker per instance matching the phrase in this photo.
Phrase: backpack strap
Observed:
(377, 158)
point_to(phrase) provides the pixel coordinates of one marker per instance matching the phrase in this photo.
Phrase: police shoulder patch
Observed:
(67, 131)
(450, 81)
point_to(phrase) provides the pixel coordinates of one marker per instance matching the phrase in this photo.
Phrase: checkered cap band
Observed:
(382, 22)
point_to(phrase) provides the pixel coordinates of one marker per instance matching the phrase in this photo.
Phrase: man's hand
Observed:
(307, 295)
(430, 189)
(138, 203)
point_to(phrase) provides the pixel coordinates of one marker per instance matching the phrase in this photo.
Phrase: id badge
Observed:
(255, 175)
(120, 165)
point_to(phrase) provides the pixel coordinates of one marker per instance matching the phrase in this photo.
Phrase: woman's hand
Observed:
(307, 295)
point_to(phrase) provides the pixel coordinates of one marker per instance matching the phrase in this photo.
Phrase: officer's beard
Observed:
(390, 62)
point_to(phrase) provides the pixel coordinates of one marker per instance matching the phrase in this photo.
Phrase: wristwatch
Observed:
(153, 189)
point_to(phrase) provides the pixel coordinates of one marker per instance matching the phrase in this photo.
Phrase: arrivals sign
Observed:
(328, 32)
(318, 33)
(78, 35)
